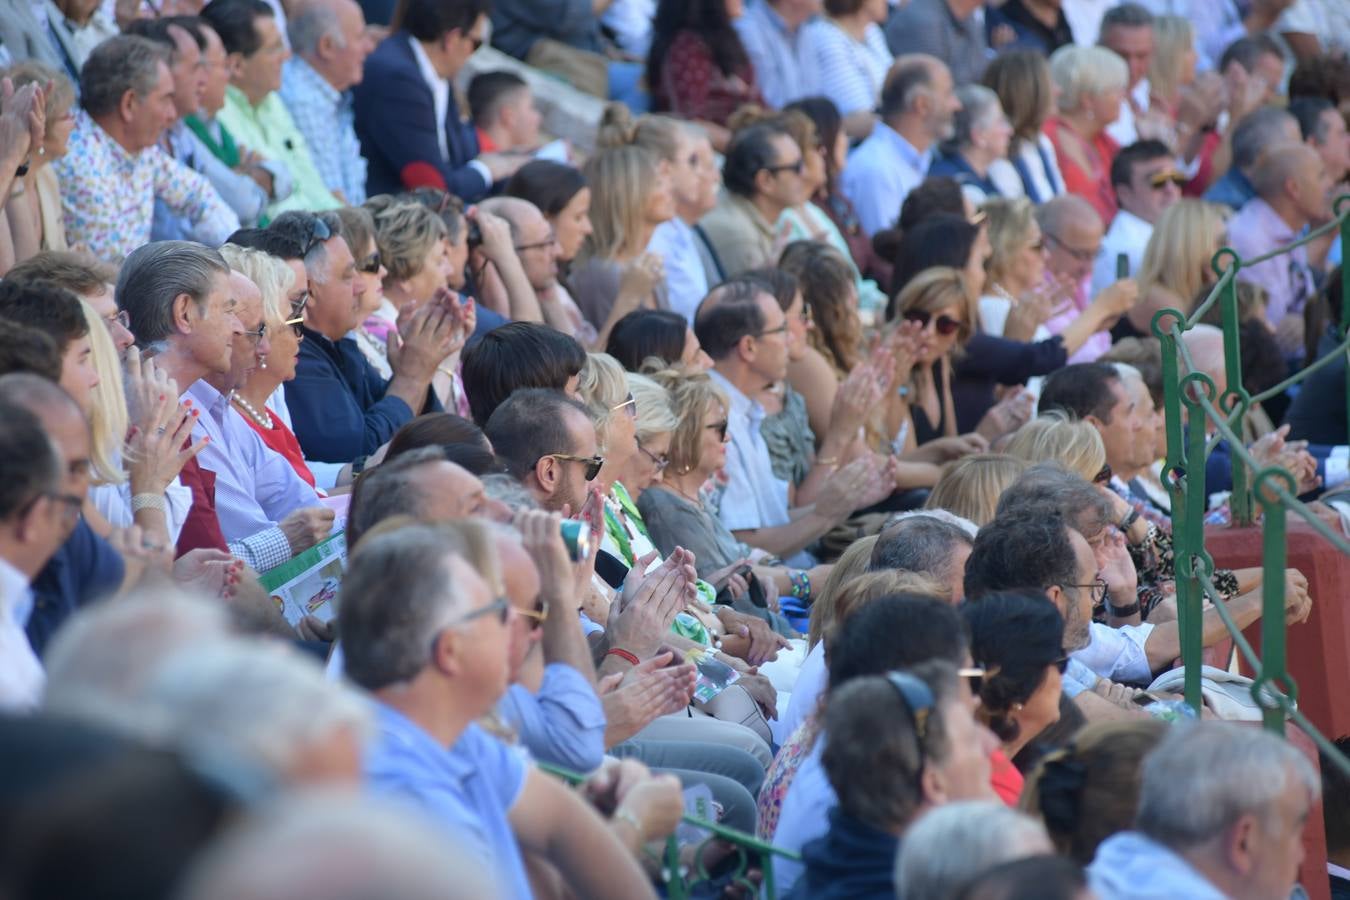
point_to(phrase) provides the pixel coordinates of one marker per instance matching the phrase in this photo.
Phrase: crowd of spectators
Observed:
(399, 501)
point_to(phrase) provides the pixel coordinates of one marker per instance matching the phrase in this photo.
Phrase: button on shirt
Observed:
(754, 496)
(269, 130)
(255, 486)
(469, 788)
(686, 280)
(784, 60)
(1258, 229)
(324, 117)
(880, 174)
(108, 195)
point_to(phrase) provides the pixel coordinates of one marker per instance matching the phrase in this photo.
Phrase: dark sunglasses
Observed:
(1104, 476)
(539, 614)
(798, 167)
(318, 233)
(371, 265)
(944, 325)
(593, 463)
(720, 428)
(918, 700)
(1158, 179)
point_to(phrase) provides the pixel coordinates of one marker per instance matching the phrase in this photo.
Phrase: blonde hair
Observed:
(861, 590)
(1010, 221)
(654, 413)
(1082, 72)
(970, 487)
(661, 135)
(59, 98)
(621, 181)
(1054, 437)
(1177, 256)
(602, 384)
(689, 395)
(108, 418)
(405, 232)
(1172, 37)
(851, 563)
(935, 289)
(272, 276)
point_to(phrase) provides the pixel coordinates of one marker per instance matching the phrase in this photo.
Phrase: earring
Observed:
(1017, 707)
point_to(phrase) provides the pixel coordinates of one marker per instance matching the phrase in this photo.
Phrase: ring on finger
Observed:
(161, 429)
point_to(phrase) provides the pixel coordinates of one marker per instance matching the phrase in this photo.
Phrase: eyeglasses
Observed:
(808, 317)
(539, 614)
(121, 317)
(1104, 476)
(976, 676)
(593, 463)
(297, 326)
(257, 335)
(371, 264)
(797, 167)
(1158, 180)
(1098, 587)
(768, 331)
(944, 325)
(538, 245)
(629, 404)
(73, 505)
(720, 428)
(1038, 245)
(1062, 663)
(918, 700)
(1084, 256)
(501, 607)
(318, 233)
(659, 461)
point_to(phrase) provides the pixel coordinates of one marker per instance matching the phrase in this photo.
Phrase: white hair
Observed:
(336, 846)
(262, 701)
(952, 845)
(942, 515)
(1081, 72)
(1204, 776)
(101, 660)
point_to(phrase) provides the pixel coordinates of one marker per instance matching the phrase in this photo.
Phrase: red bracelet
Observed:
(623, 654)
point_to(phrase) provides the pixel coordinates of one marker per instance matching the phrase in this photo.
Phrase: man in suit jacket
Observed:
(407, 119)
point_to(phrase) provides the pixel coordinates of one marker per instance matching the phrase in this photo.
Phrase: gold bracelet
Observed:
(827, 461)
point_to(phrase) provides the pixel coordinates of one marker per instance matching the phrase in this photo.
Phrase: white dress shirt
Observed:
(1118, 653)
(686, 280)
(21, 675)
(754, 496)
(1128, 234)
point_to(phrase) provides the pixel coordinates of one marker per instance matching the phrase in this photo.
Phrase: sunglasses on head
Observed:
(944, 325)
(593, 463)
(1159, 179)
(918, 700)
(318, 233)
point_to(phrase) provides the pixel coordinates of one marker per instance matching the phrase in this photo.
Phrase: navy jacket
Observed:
(853, 861)
(86, 568)
(989, 360)
(337, 401)
(396, 124)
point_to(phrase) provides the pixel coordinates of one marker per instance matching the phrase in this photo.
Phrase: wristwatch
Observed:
(1129, 520)
(1123, 612)
(22, 170)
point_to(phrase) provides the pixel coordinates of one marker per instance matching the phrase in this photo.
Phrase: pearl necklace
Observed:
(263, 418)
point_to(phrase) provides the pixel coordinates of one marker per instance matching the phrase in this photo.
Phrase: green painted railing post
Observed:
(1190, 593)
(1238, 399)
(1274, 656)
(1340, 206)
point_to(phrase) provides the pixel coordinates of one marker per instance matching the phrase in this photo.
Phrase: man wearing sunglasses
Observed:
(1145, 178)
(763, 176)
(422, 631)
(546, 441)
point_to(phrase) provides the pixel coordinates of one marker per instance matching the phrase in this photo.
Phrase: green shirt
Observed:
(269, 130)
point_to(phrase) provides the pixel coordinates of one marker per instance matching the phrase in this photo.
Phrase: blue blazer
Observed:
(396, 124)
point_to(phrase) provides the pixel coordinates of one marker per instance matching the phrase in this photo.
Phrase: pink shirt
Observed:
(1094, 346)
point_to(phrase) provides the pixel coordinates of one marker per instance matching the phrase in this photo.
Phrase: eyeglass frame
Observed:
(944, 324)
(1158, 180)
(537, 245)
(661, 462)
(1099, 587)
(1083, 256)
(539, 614)
(781, 329)
(257, 335)
(121, 317)
(593, 463)
(797, 168)
(630, 403)
(721, 427)
(371, 264)
(499, 605)
(1104, 475)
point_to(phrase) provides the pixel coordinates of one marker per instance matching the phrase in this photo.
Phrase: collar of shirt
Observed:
(99, 141)
(897, 144)
(306, 78)
(1259, 217)
(16, 597)
(1127, 228)
(741, 408)
(205, 397)
(413, 738)
(771, 18)
(1338, 871)
(751, 212)
(440, 93)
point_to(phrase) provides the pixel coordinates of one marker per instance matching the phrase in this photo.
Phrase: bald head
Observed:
(1074, 233)
(533, 237)
(1293, 179)
(1205, 343)
(1066, 211)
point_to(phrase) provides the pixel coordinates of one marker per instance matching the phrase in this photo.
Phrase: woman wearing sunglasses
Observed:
(283, 313)
(1018, 640)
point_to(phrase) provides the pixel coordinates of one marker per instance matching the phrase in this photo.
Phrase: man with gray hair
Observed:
(329, 40)
(114, 170)
(930, 543)
(1221, 814)
(918, 102)
(1127, 31)
(422, 632)
(1251, 138)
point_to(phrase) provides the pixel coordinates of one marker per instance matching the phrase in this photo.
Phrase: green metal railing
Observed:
(681, 872)
(1271, 489)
